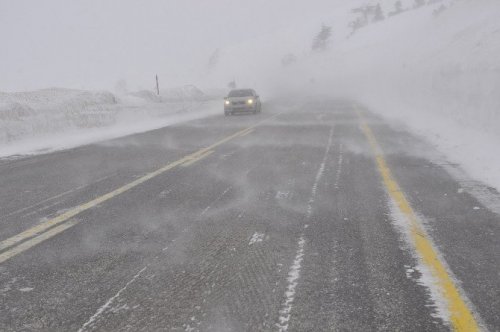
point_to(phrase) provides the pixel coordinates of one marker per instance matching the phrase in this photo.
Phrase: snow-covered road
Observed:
(311, 217)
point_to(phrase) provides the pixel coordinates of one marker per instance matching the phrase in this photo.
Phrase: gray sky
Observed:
(93, 43)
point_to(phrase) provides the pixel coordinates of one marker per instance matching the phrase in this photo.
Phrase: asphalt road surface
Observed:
(316, 216)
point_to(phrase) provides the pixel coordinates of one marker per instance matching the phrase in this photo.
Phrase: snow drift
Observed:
(50, 119)
(52, 110)
(437, 74)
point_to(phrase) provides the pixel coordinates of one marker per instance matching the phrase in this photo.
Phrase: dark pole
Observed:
(157, 86)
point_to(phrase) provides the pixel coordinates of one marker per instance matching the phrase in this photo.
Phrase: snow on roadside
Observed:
(54, 119)
(437, 76)
(424, 277)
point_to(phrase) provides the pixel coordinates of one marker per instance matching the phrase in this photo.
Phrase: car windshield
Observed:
(241, 93)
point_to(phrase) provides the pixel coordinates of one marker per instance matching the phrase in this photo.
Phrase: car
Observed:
(242, 101)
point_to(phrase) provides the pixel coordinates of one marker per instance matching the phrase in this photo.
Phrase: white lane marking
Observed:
(293, 280)
(319, 174)
(294, 272)
(215, 201)
(256, 237)
(339, 166)
(185, 229)
(109, 302)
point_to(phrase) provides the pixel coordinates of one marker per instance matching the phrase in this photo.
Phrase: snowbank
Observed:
(44, 120)
(35, 113)
(187, 92)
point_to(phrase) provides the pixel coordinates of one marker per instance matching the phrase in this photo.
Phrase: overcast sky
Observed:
(93, 43)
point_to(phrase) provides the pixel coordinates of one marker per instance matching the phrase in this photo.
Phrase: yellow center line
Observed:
(199, 157)
(36, 231)
(248, 131)
(461, 316)
(36, 240)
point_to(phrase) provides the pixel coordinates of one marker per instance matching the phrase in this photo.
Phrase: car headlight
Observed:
(250, 101)
(227, 102)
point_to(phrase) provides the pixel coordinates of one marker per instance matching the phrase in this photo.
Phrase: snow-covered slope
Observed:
(439, 75)
(434, 67)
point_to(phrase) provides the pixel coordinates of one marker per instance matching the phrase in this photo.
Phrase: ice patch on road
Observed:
(216, 200)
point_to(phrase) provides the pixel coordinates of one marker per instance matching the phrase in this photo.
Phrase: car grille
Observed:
(238, 103)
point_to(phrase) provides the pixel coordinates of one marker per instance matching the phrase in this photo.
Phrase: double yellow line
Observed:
(461, 316)
(37, 234)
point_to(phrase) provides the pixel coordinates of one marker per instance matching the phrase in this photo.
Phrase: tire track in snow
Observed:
(294, 272)
(216, 200)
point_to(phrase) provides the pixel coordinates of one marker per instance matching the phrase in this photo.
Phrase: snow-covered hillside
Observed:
(438, 74)
(50, 119)
(434, 67)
